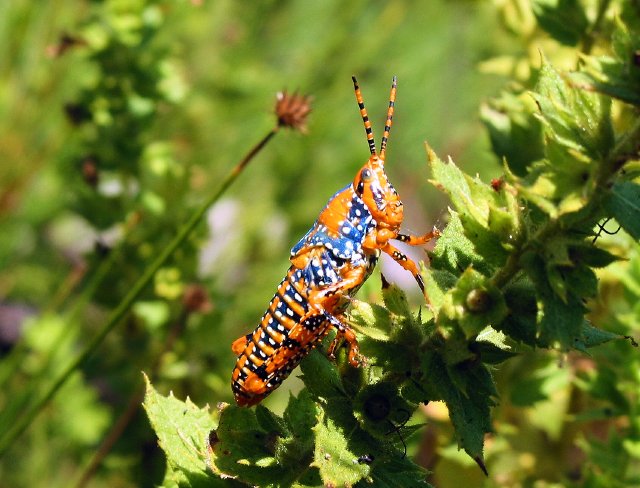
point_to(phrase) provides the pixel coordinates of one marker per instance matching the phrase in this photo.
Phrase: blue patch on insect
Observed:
(322, 271)
(347, 243)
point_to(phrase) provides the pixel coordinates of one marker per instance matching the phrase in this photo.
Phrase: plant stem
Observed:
(626, 145)
(123, 307)
(133, 405)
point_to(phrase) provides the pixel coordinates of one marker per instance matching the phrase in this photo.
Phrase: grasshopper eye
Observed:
(365, 176)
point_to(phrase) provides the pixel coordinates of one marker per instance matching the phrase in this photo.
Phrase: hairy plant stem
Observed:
(627, 144)
(123, 307)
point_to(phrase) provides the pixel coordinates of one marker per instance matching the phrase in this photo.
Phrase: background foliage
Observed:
(120, 117)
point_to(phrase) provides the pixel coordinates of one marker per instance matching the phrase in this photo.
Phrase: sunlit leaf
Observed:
(616, 74)
(182, 428)
(338, 465)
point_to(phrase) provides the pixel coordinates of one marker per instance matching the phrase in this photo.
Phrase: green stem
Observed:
(125, 418)
(23, 422)
(13, 362)
(626, 144)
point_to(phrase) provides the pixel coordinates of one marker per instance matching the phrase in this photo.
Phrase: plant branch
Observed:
(608, 168)
(123, 307)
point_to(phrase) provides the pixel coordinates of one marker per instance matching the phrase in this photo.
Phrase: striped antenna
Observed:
(387, 125)
(365, 117)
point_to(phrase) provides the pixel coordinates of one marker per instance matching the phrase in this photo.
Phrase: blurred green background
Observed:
(118, 117)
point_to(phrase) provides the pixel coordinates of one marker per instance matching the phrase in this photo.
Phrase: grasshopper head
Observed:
(371, 183)
(373, 186)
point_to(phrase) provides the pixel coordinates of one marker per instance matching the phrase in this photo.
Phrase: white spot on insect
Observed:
(346, 229)
(289, 312)
(297, 297)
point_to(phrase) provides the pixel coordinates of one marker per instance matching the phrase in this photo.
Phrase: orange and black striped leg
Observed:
(407, 264)
(418, 240)
(344, 332)
(352, 278)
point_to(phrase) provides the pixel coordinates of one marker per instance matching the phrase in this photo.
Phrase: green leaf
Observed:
(242, 448)
(487, 218)
(581, 280)
(578, 132)
(338, 465)
(516, 136)
(296, 449)
(326, 386)
(453, 252)
(492, 346)
(269, 421)
(398, 473)
(389, 356)
(466, 194)
(564, 20)
(491, 354)
(592, 336)
(407, 330)
(301, 415)
(370, 319)
(395, 350)
(396, 302)
(624, 206)
(321, 377)
(468, 391)
(520, 322)
(181, 428)
(560, 317)
(560, 324)
(590, 255)
(576, 121)
(616, 75)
